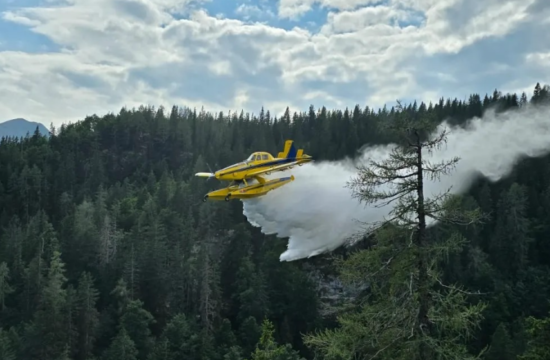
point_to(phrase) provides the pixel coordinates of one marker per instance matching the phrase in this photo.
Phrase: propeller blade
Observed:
(211, 174)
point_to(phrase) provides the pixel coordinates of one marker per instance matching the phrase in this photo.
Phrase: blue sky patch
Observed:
(249, 67)
(216, 7)
(17, 37)
(266, 11)
(7, 5)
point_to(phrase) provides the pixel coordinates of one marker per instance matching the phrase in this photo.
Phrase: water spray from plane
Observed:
(317, 213)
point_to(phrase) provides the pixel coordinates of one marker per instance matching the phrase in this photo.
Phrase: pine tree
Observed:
(136, 322)
(7, 351)
(268, 349)
(179, 340)
(501, 345)
(510, 243)
(122, 348)
(538, 345)
(47, 335)
(5, 288)
(88, 316)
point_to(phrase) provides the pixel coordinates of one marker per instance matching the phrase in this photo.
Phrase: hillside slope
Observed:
(106, 246)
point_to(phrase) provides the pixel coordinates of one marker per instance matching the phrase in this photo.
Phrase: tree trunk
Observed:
(423, 283)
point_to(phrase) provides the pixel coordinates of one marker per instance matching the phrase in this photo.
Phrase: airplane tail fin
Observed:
(290, 150)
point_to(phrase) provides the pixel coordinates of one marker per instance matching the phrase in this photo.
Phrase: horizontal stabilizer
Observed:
(204, 174)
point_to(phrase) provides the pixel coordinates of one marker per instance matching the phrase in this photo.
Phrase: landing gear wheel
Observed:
(205, 198)
(227, 197)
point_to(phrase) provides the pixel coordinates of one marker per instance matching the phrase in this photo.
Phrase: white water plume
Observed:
(317, 212)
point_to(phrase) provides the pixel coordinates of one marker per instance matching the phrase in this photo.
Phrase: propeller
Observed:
(211, 172)
(207, 175)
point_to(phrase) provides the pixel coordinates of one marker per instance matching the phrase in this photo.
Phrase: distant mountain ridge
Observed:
(20, 127)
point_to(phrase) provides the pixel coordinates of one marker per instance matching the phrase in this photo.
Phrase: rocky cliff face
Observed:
(333, 293)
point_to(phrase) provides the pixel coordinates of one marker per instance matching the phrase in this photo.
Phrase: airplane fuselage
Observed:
(243, 170)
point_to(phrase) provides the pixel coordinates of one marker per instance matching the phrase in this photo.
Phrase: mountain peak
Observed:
(19, 127)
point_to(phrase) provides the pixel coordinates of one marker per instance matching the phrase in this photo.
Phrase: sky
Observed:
(62, 60)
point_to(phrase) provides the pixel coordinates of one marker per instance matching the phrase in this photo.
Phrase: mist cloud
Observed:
(318, 214)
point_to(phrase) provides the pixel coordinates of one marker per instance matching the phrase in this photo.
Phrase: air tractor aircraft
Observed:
(245, 179)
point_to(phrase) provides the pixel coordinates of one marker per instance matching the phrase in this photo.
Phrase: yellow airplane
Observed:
(245, 178)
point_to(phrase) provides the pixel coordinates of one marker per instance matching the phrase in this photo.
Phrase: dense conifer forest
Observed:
(108, 252)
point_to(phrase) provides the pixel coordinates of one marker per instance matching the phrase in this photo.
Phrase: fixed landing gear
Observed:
(228, 197)
(205, 198)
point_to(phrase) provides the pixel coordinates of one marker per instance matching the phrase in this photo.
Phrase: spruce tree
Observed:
(538, 344)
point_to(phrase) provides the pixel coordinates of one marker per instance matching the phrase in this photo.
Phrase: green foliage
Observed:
(136, 321)
(7, 351)
(501, 345)
(268, 349)
(5, 288)
(122, 347)
(538, 345)
(107, 251)
(409, 312)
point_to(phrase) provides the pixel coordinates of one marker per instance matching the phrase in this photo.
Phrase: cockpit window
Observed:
(256, 157)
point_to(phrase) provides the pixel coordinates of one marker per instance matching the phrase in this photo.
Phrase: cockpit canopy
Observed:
(260, 156)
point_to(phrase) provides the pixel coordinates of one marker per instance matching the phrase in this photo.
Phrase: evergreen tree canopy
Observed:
(108, 252)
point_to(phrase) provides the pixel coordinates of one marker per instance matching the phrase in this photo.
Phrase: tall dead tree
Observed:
(410, 313)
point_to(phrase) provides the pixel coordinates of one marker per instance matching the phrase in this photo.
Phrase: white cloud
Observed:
(295, 8)
(254, 12)
(133, 52)
(9, 16)
(492, 18)
(369, 17)
(539, 58)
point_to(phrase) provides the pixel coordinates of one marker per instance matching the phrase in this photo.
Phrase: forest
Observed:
(107, 251)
